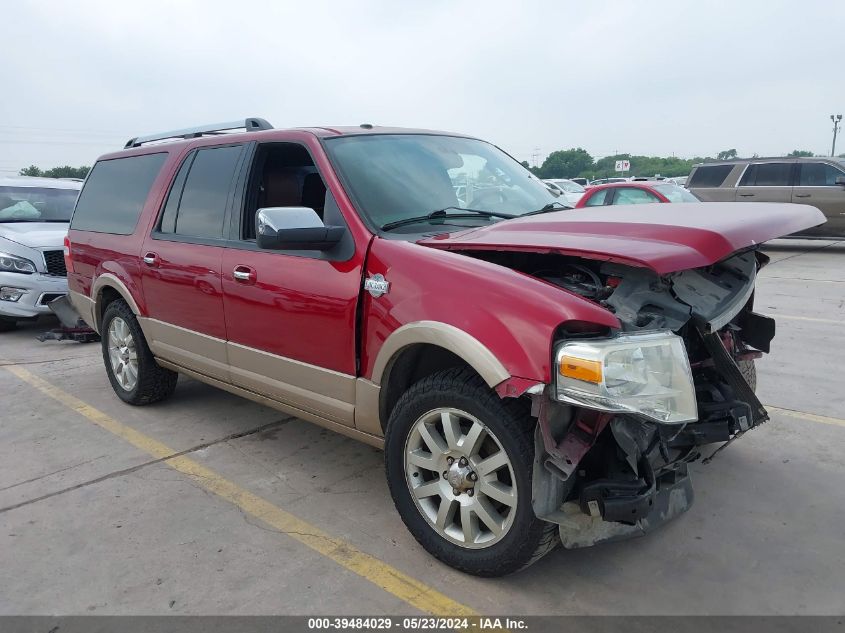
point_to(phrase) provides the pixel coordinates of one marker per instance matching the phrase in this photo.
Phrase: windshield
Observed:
(568, 186)
(36, 204)
(399, 176)
(676, 193)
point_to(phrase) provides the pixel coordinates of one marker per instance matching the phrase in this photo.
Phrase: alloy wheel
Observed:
(122, 354)
(461, 478)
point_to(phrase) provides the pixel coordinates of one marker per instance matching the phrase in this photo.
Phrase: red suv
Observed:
(535, 377)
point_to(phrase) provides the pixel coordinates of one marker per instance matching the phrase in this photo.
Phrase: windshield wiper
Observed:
(441, 214)
(552, 206)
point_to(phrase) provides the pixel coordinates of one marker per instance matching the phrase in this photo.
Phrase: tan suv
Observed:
(818, 181)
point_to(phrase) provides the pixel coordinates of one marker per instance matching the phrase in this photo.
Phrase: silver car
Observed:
(34, 216)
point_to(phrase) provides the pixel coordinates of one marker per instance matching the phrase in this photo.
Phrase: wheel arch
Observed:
(107, 288)
(417, 350)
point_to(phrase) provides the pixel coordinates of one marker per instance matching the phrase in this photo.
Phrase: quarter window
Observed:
(709, 176)
(115, 192)
(819, 175)
(196, 206)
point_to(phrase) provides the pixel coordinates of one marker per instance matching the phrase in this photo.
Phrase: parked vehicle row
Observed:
(536, 378)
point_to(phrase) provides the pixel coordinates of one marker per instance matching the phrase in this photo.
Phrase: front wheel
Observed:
(459, 464)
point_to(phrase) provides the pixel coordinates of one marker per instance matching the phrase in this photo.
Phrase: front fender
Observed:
(499, 321)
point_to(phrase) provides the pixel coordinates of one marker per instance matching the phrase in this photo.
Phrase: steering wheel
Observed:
(496, 196)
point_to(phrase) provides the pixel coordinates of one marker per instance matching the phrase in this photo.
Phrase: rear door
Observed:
(182, 259)
(766, 182)
(817, 186)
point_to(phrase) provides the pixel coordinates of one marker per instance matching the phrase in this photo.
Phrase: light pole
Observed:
(836, 127)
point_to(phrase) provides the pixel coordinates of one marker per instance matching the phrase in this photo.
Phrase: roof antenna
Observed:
(367, 126)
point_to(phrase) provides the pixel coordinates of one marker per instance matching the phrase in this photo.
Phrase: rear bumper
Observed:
(40, 290)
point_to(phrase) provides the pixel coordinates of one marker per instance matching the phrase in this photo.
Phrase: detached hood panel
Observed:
(664, 237)
(35, 234)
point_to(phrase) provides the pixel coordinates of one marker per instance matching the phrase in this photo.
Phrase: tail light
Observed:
(68, 260)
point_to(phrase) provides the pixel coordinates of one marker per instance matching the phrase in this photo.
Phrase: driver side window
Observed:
(283, 175)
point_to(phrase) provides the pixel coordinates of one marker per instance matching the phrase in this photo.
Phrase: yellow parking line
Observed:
(811, 417)
(404, 587)
(803, 318)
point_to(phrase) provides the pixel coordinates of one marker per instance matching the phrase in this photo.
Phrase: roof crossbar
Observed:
(252, 124)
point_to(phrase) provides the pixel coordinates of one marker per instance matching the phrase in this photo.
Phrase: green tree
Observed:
(800, 152)
(727, 154)
(566, 163)
(65, 171)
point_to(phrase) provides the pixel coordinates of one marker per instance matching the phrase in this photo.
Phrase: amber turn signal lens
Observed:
(580, 369)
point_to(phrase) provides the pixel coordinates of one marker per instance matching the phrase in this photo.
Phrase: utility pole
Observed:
(535, 156)
(836, 128)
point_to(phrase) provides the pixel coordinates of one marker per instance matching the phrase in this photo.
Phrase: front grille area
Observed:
(55, 261)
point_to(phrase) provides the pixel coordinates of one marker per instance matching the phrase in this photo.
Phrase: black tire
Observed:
(154, 383)
(528, 538)
(749, 372)
(7, 325)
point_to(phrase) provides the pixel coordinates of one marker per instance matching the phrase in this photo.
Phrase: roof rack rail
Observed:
(252, 124)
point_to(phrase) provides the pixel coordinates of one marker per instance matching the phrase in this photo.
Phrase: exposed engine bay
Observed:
(610, 475)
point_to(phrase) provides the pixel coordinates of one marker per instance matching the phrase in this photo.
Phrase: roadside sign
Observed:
(623, 165)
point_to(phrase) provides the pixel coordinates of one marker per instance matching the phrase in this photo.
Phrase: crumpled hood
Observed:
(35, 234)
(664, 237)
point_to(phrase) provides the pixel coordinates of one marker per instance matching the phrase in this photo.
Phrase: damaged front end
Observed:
(629, 410)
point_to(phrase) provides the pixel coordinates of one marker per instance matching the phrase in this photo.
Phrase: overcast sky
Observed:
(685, 78)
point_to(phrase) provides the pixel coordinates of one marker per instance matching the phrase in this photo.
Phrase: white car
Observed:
(34, 217)
(567, 189)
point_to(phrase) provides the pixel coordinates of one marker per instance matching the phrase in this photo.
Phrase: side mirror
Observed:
(294, 228)
(840, 180)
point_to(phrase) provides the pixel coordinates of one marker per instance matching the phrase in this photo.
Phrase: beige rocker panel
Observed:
(200, 352)
(323, 392)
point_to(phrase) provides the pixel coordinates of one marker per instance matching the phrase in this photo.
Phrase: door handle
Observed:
(802, 195)
(152, 260)
(746, 195)
(244, 274)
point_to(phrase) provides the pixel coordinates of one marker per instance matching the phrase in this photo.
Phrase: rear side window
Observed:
(819, 175)
(197, 203)
(767, 175)
(115, 192)
(626, 195)
(709, 176)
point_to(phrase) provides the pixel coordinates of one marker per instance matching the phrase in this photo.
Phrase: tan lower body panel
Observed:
(367, 438)
(201, 353)
(325, 393)
(84, 306)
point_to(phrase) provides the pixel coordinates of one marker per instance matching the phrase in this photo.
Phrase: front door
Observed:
(817, 187)
(182, 259)
(291, 315)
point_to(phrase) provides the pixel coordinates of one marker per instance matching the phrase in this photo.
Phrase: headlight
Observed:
(13, 264)
(648, 374)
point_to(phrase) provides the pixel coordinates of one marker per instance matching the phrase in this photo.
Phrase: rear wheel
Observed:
(133, 372)
(459, 464)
